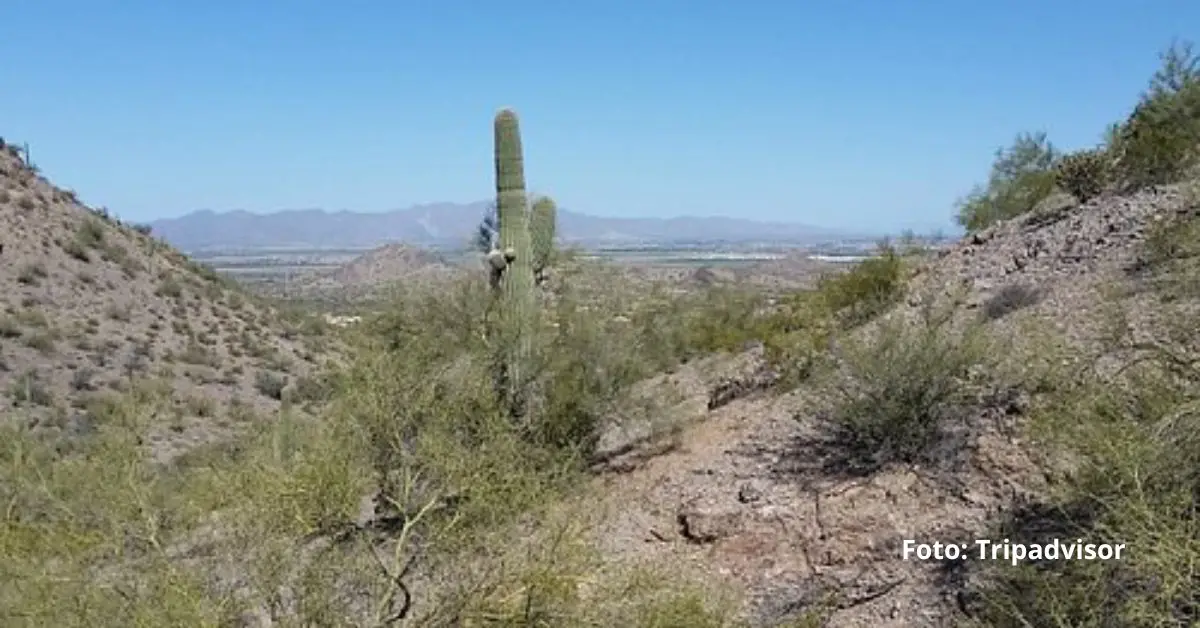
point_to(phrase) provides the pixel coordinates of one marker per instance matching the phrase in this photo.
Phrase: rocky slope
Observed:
(371, 274)
(753, 493)
(89, 305)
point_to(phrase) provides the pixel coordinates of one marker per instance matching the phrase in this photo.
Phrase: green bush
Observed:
(1160, 141)
(106, 537)
(866, 290)
(721, 319)
(1020, 178)
(1135, 482)
(1170, 254)
(1083, 174)
(901, 389)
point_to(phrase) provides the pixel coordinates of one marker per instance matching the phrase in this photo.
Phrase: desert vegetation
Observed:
(544, 443)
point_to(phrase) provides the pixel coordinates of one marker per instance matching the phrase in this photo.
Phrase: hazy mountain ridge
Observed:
(453, 224)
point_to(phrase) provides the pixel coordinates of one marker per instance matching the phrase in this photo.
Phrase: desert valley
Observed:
(522, 429)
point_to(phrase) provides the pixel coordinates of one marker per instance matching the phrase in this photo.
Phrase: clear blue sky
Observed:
(849, 113)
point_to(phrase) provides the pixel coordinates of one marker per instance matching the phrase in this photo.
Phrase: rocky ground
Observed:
(88, 304)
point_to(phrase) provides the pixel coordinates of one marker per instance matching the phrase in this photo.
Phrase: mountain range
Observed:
(453, 225)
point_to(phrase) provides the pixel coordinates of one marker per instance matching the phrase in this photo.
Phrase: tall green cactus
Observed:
(542, 219)
(518, 298)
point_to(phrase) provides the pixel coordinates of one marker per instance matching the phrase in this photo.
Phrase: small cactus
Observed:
(542, 219)
(1083, 174)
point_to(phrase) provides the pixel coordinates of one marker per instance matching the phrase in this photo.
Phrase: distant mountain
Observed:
(453, 225)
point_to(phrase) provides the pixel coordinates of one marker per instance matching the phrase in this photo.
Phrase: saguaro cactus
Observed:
(542, 219)
(518, 298)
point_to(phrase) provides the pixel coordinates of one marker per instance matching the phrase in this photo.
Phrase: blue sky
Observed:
(858, 114)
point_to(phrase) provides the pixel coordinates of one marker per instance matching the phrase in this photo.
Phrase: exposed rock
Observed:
(705, 523)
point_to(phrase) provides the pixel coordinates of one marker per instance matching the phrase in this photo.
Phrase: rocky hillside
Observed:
(758, 495)
(88, 305)
(370, 274)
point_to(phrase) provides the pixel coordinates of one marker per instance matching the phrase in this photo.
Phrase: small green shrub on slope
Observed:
(1083, 174)
(1020, 178)
(867, 290)
(906, 386)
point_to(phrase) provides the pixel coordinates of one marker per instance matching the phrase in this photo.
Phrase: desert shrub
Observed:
(1129, 439)
(718, 318)
(1135, 482)
(76, 250)
(103, 537)
(170, 288)
(1011, 298)
(1160, 141)
(433, 366)
(31, 273)
(313, 388)
(868, 289)
(209, 274)
(106, 537)
(9, 327)
(42, 341)
(1020, 178)
(270, 384)
(537, 584)
(657, 323)
(901, 389)
(30, 388)
(799, 332)
(665, 329)
(1170, 255)
(67, 518)
(90, 234)
(1084, 174)
(1172, 241)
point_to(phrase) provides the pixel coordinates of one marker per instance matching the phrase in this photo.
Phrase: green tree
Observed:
(1160, 141)
(1020, 178)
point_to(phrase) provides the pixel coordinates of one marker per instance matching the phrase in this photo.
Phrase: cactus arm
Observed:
(542, 220)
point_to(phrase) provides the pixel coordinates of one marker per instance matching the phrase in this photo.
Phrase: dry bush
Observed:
(903, 391)
(1009, 299)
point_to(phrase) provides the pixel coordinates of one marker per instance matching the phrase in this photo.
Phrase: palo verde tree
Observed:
(1022, 176)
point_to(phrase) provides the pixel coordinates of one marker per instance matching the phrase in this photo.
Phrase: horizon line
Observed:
(327, 211)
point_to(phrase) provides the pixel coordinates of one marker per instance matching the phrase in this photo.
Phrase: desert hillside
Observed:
(590, 445)
(766, 492)
(92, 306)
(370, 275)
